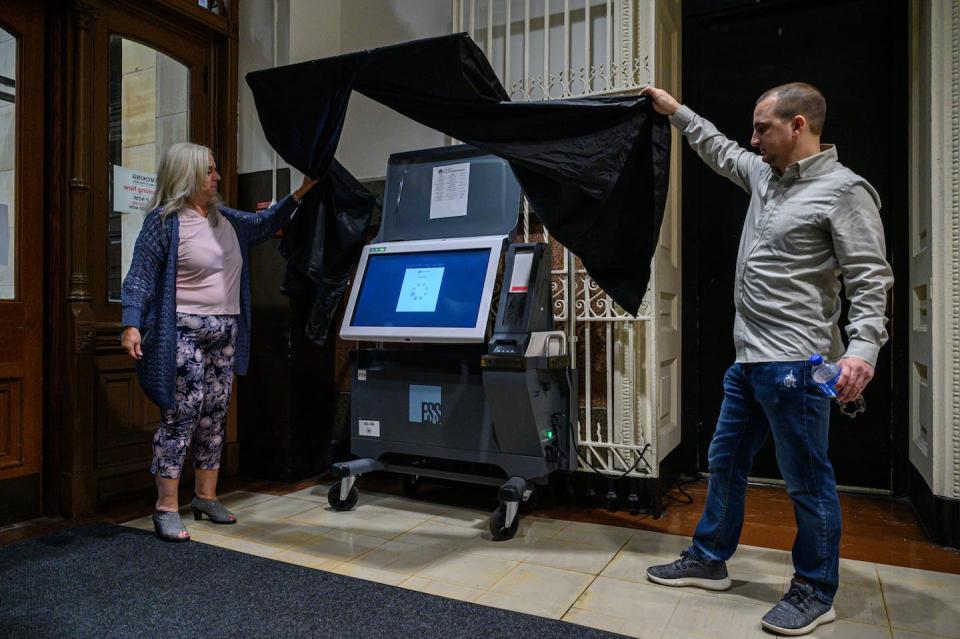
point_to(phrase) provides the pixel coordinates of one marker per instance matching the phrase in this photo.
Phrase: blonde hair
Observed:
(180, 177)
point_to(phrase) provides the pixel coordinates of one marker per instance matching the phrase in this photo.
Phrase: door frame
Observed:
(687, 457)
(934, 368)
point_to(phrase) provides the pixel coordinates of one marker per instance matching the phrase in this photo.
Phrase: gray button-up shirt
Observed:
(803, 230)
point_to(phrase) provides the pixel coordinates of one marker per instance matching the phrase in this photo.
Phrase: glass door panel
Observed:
(149, 111)
(8, 165)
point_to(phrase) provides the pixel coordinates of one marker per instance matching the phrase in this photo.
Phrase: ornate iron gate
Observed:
(569, 48)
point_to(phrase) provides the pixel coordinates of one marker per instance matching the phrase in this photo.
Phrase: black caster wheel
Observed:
(527, 506)
(333, 497)
(411, 485)
(498, 519)
(562, 490)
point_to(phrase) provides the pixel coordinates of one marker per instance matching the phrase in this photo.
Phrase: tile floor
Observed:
(587, 574)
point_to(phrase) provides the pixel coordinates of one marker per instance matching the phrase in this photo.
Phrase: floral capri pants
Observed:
(205, 349)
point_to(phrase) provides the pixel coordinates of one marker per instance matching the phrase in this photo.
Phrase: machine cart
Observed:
(473, 394)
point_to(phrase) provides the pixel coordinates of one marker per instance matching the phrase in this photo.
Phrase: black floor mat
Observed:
(103, 580)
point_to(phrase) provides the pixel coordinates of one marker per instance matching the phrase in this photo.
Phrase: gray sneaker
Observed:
(799, 612)
(688, 571)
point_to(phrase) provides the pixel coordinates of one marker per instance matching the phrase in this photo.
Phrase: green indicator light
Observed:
(382, 249)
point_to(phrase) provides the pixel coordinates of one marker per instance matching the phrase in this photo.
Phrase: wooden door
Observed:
(924, 155)
(21, 258)
(151, 90)
(855, 51)
(666, 267)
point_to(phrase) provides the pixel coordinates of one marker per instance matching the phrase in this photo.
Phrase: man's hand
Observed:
(130, 340)
(855, 374)
(663, 102)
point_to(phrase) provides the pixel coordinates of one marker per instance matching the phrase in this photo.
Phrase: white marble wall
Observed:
(372, 131)
(310, 29)
(257, 52)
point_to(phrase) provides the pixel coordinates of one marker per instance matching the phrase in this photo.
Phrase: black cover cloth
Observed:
(322, 249)
(595, 170)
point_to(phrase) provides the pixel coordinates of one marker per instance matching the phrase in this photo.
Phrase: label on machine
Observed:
(425, 404)
(522, 265)
(369, 427)
(450, 190)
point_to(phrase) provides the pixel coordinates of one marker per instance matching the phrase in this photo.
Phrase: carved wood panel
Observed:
(126, 419)
(11, 426)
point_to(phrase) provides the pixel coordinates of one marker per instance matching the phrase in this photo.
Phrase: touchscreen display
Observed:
(425, 289)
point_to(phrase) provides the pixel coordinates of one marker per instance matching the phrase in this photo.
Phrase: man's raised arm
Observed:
(721, 154)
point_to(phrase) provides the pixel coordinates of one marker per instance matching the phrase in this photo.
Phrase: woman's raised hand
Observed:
(130, 340)
(305, 186)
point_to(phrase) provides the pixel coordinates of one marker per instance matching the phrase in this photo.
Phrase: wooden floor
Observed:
(875, 529)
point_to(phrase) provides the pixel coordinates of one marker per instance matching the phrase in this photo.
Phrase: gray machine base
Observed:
(503, 522)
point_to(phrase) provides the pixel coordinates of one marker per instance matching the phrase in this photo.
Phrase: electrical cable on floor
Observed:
(640, 458)
(688, 499)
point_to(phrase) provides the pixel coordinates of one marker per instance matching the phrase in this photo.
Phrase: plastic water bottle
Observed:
(825, 374)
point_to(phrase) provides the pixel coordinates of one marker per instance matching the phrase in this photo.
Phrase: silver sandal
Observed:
(213, 509)
(169, 526)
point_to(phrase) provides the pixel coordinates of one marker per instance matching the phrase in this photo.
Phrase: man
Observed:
(810, 220)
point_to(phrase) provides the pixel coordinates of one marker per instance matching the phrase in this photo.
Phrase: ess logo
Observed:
(430, 412)
(425, 404)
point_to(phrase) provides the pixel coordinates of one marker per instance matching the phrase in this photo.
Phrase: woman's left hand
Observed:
(130, 340)
(307, 184)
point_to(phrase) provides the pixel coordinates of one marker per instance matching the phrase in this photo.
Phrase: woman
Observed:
(186, 319)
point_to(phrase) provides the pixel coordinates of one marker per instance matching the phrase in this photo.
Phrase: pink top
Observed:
(208, 266)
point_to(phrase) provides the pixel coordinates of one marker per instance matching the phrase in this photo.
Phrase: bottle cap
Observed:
(816, 359)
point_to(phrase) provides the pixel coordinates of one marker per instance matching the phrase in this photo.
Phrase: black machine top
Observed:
(448, 192)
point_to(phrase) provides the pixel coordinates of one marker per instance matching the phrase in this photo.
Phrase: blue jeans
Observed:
(777, 397)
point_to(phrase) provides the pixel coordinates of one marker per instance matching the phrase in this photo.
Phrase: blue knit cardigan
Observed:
(149, 292)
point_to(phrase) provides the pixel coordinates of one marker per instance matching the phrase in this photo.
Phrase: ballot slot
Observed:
(522, 308)
(522, 263)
